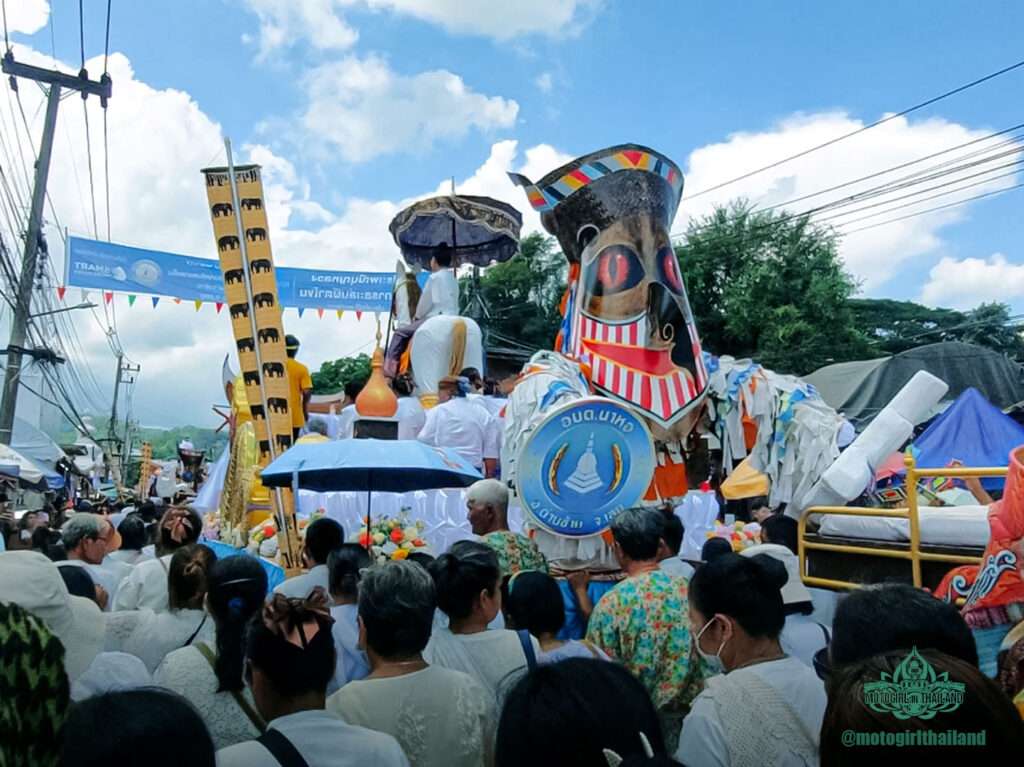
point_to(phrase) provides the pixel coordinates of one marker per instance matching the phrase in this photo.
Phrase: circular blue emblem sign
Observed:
(583, 464)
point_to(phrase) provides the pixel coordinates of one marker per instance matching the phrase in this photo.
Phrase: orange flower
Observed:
(397, 535)
(399, 554)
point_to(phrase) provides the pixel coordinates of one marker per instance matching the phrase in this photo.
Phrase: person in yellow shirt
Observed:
(300, 386)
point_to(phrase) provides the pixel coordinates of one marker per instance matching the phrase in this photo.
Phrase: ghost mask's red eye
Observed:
(615, 269)
(668, 265)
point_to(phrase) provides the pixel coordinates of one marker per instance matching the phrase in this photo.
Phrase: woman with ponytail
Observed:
(345, 566)
(157, 634)
(762, 706)
(146, 584)
(211, 677)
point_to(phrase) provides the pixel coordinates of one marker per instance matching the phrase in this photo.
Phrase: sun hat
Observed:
(794, 591)
(30, 580)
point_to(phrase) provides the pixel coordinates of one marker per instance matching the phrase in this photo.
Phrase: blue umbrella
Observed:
(368, 465)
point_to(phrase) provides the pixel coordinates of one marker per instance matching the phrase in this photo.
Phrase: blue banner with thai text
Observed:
(107, 266)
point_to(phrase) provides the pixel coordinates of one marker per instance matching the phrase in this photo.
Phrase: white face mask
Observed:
(714, 661)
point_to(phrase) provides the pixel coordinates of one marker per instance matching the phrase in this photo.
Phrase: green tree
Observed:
(521, 295)
(334, 375)
(990, 325)
(892, 327)
(769, 286)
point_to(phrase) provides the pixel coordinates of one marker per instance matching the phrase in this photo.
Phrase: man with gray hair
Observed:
(487, 502)
(316, 431)
(644, 621)
(88, 538)
(396, 611)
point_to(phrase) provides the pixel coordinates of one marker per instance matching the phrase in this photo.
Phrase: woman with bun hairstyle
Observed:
(468, 581)
(762, 707)
(209, 676)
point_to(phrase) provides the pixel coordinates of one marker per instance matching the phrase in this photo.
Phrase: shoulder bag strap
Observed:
(196, 632)
(282, 749)
(527, 643)
(243, 704)
(825, 631)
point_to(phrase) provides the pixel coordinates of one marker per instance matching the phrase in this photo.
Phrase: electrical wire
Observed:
(7, 40)
(862, 129)
(81, 30)
(88, 154)
(106, 44)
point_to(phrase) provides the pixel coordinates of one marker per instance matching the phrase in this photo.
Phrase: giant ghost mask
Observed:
(627, 316)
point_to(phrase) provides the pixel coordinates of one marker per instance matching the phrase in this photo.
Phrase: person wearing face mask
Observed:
(764, 707)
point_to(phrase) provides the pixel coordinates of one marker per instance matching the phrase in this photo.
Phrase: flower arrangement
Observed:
(740, 535)
(392, 538)
(263, 536)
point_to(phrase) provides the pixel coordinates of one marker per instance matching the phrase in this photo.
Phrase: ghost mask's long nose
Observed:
(667, 324)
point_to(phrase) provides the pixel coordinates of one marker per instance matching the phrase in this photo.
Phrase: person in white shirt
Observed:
(535, 603)
(468, 582)
(764, 707)
(87, 539)
(134, 538)
(802, 636)
(146, 584)
(672, 534)
(396, 606)
(458, 424)
(347, 416)
(322, 537)
(290, 655)
(211, 676)
(441, 293)
(410, 414)
(345, 566)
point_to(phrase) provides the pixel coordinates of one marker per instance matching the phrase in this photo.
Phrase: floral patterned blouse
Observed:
(643, 624)
(515, 552)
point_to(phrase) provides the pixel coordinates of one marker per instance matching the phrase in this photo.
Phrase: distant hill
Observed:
(164, 441)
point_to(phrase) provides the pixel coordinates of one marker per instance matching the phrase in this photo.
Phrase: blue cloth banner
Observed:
(106, 266)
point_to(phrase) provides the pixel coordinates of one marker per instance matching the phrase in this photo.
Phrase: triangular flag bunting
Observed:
(156, 300)
(85, 296)
(219, 305)
(198, 304)
(339, 312)
(131, 299)
(107, 297)
(359, 315)
(177, 300)
(301, 310)
(320, 313)
(60, 293)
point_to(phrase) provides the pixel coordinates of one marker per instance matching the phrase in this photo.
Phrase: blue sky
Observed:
(722, 88)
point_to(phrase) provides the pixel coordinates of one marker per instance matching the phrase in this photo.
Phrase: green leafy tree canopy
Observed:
(333, 375)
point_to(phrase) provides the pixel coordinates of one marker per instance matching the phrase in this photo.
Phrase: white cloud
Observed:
(544, 82)
(965, 283)
(875, 255)
(27, 16)
(364, 108)
(284, 23)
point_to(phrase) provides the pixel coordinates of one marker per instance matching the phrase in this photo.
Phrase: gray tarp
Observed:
(861, 389)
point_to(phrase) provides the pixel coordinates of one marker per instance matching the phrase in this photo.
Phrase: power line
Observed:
(88, 155)
(106, 45)
(7, 41)
(860, 130)
(932, 210)
(81, 30)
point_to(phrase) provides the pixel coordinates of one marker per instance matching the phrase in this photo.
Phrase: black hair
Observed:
(323, 537)
(292, 670)
(472, 375)
(535, 603)
(747, 589)
(193, 527)
(149, 512)
(565, 714)
(49, 542)
(714, 548)
(187, 576)
(672, 532)
(638, 532)
(403, 385)
(236, 588)
(79, 582)
(353, 389)
(897, 616)
(782, 530)
(421, 558)
(460, 574)
(443, 255)
(133, 532)
(984, 708)
(344, 565)
(760, 502)
(155, 727)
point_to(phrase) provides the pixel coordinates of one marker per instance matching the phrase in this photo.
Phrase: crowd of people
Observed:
(128, 642)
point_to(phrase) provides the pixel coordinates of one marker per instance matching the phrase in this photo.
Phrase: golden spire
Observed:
(376, 400)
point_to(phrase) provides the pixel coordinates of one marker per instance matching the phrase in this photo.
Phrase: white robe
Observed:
(440, 295)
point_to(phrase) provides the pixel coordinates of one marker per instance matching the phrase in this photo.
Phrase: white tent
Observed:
(14, 464)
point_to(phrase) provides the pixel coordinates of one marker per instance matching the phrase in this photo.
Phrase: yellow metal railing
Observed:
(910, 513)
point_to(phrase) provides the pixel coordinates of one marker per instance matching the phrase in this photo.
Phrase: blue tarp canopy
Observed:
(972, 431)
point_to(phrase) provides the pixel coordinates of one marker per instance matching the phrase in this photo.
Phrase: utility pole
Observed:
(33, 235)
(116, 446)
